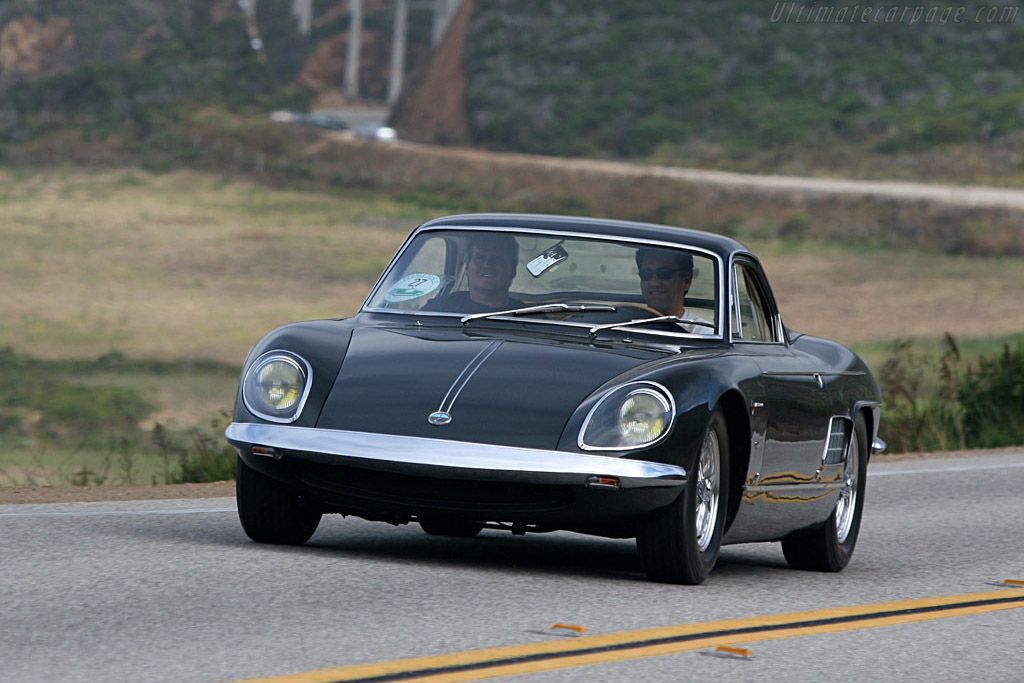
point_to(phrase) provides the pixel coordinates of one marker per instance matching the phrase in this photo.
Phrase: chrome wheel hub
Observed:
(847, 503)
(708, 483)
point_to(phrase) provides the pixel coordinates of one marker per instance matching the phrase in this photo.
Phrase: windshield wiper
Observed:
(642, 321)
(545, 308)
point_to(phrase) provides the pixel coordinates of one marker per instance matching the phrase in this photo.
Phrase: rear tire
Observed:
(680, 543)
(271, 511)
(828, 547)
(456, 528)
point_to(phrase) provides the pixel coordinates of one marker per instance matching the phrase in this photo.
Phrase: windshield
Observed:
(472, 272)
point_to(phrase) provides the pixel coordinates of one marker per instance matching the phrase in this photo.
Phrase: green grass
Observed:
(61, 465)
(112, 420)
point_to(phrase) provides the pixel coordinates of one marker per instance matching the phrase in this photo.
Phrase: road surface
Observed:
(173, 591)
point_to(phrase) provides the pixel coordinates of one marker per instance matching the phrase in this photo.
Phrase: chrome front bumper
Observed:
(452, 459)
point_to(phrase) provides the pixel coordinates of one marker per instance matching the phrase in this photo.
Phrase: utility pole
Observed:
(302, 10)
(398, 50)
(253, 29)
(444, 12)
(355, 39)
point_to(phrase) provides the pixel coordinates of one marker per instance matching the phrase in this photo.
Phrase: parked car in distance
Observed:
(375, 131)
(314, 119)
(537, 373)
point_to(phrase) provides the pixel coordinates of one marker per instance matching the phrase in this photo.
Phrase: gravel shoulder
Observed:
(13, 495)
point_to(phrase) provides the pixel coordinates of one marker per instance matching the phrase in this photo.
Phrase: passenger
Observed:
(665, 279)
(493, 260)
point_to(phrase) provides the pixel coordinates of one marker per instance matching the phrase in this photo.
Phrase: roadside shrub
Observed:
(915, 416)
(213, 460)
(196, 456)
(941, 403)
(992, 397)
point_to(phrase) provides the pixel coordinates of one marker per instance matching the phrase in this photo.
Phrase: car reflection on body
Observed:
(581, 408)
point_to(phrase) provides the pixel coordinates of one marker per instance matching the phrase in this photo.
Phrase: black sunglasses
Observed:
(662, 273)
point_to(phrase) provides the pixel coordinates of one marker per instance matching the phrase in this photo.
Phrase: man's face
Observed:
(490, 267)
(664, 287)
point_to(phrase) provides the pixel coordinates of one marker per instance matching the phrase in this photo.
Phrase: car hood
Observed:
(496, 389)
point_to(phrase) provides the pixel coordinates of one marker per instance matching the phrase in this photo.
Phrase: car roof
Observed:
(719, 244)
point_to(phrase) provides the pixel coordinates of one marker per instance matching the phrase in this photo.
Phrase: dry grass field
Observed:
(181, 265)
(178, 265)
(184, 265)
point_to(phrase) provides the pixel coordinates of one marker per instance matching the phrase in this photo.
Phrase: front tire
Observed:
(271, 511)
(829, 546)
(680, 543)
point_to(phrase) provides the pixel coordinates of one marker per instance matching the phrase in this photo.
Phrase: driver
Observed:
(490, 270)
(665, 279)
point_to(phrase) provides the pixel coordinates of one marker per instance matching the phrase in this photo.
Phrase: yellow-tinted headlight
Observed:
(275, 386)
(642, 417)
(631, 416)
(279, 384)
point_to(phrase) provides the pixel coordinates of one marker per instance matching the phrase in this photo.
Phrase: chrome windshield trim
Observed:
(722, 276)
(440, 457)
(562, 323)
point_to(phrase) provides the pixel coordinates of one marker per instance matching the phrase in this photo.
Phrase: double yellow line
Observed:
(512, 660)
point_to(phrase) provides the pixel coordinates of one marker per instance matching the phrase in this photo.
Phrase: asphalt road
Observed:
(173, 591)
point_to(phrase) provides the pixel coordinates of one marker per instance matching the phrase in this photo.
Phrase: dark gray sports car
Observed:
(534, 373)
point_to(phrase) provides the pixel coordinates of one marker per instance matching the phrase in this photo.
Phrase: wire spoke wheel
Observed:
(708, 489)
(680, 542)
(847, 505)
(829, 546)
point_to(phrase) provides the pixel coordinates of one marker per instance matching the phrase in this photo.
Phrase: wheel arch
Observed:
(737, 423)
(871, 412)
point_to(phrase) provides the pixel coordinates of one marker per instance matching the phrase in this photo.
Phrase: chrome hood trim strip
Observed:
(443, 458)
(467, 373)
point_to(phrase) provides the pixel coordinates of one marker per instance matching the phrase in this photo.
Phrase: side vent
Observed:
(837, 441)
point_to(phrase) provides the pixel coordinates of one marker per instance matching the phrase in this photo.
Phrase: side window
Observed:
(750, 309)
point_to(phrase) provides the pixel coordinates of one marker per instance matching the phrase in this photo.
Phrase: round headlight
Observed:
(631, 416)
(276, 385)
(642, 417)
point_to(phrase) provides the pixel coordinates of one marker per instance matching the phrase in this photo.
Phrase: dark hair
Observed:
(684, 261)
(506, 242)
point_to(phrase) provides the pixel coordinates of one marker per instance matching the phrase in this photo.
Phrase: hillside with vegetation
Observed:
(583, 77)
(750, 85)
(732, 84)
(146, 77)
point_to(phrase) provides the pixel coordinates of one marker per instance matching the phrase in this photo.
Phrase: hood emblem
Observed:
(439, 418)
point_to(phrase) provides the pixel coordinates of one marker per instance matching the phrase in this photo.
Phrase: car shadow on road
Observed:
(557, 554)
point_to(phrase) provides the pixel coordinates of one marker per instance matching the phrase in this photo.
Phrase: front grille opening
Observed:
(353, 484)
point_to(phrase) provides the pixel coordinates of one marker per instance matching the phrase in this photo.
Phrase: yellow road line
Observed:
(496, 662)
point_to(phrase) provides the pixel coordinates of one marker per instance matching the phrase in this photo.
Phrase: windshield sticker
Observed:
(549, 259)
(412, 286)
